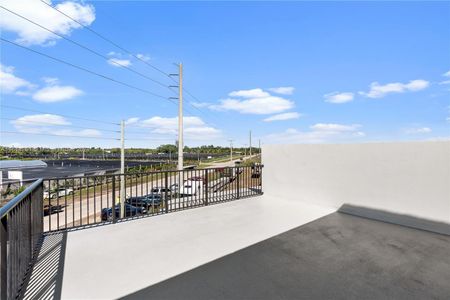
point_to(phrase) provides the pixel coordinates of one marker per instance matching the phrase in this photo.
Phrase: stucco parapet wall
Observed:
(411, 179)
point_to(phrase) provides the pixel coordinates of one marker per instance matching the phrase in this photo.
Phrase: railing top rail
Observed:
(17, 199)
(144, 173)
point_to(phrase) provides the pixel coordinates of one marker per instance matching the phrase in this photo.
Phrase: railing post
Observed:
(113, 206)
(166, 184)
(206, 187)
(30, 220)
(237, 183)
(4, 257)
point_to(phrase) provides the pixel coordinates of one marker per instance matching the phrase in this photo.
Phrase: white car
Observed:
(190, 187)
(59, 193)
(160, 191)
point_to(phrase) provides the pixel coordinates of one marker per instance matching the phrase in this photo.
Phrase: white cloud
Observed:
(253, 101)
(9, 83)
(41, 119)
(378, 91)
(56, 93)
(335, 127)
(339, 98)
(30, 34)
(50, 80)
(143, 57)
(80, 133)
(259, 106)
(48, 123)
(253, 93)
(445, 82)
(117, 62)
(194, 127)
(283, 117)
(420, 130)
(446, 74)
(201, 104)
(131, 121)
(283, 90)
(320, 133)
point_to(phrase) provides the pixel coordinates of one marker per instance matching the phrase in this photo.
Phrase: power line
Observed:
(85, 47)
(104, 57)
(86, 70)
(106, 39)
(60, 135)
(25, 122)
(67, 116)
(123, 49)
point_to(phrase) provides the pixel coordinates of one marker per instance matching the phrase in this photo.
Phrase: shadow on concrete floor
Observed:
(339, 256)
(45, 279)
(395, 218)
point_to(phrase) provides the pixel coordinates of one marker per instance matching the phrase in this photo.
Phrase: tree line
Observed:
(12, 152)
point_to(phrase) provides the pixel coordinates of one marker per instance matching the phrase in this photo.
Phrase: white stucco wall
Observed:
(408, 178)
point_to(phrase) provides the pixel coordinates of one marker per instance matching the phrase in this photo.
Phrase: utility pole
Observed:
(231, 150)
(250, 143)
(180, 114)
(122, 169)
(180, 117)
(259, 146)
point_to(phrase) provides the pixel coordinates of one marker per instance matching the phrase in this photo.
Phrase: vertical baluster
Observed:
(81, 201)
(87, 200)
(57, 204)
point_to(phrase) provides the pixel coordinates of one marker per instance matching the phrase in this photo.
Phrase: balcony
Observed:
(334, 222)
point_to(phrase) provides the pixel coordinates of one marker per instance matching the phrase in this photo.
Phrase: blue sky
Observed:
(292, 72)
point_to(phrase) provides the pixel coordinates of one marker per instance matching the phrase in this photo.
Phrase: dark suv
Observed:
(147, 201)
(130, 211)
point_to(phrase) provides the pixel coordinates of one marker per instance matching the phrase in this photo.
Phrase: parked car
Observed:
(174, 188)
(198, 178)
(58, 193)
(190, 188)
(161, 191)
(48, 210)
(130, 211)
(147, 202)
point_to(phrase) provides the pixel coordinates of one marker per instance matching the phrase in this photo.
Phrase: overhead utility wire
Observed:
(85, 47)
(103, 56)
(86, 70)
(67, 116)
(123, 49)
(106, 39)
(25, 122)
(60, 135)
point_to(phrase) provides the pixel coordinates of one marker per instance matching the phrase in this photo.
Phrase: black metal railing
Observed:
(88, 200)
(20, 232)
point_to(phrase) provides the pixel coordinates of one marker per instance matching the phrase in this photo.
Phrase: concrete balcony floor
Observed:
(115, 260)
(336, 257)
(255, 248)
